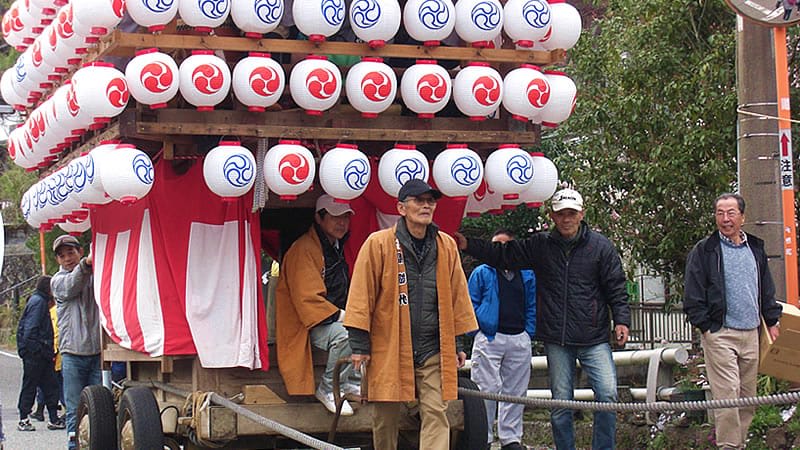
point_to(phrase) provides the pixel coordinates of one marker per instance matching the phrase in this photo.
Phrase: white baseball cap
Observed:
(567, 199)
(333, 207)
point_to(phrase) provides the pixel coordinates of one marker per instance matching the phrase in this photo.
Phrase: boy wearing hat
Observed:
(78, 324)
(408, 303)
(310, 302)
(580, 289)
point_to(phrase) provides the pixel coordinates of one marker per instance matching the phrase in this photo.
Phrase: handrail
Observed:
(19, 284)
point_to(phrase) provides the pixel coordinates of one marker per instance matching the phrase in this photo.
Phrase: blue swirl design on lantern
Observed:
(88, 165)
(434, 14)
(269, 11)
(356, 174)
(19, 71)
(63, 188)
(213, 9)
(41, 196)
(143, 168)
(519, 169)
(238, 170)
(465, 170)
(365, 13)
(333, 12)
(25, 206)
(158, 6)
(408, 169)
(536, 13)
(486, 16)
(79, 178)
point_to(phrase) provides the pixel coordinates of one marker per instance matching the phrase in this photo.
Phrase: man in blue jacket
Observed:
(35, 347)
(505, 306)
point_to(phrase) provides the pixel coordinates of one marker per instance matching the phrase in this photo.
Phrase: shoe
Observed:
(514, 446)
(37, 415)
(327, 401)
(350, 389)
(25, 425)
(59, 424)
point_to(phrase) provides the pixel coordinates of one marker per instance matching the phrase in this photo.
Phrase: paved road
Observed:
(42, 438)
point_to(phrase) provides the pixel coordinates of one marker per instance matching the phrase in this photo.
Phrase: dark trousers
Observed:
(37, 371)
(60, 389)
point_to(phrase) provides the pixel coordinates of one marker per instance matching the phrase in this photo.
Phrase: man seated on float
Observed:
(310, 302)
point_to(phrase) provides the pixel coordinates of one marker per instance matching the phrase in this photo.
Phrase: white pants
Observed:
(503, 366)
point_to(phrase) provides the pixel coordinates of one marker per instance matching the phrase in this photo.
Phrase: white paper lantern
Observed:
(8, 89)
(18, 26)
(289, 169)
(478, 90)
(509, 171)
(152, 78)
(526, 21)
(318, 19)
(46, 71)
(375, 21)
(258, 81)
(205, 79)
(204, 15)
(545, 181)
(525, 92)
(565, 28)
(71, 33)
(19, 149)
(426, 88)
(46, 7)
(102, 16)
(257, 17)
(563, 93)
(25, 78)
(315, 84)
(153, 14)
(344, 172)
(479, 22)
(57, 53)
(229, 170)
(127, 174)
(429, 21)
(72, 117)
(457, 171)
(76, 227)
(371, 87)
(101, 90)
(94, 194)
(400, 164)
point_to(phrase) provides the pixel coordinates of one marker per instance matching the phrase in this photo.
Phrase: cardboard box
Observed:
(781, 358)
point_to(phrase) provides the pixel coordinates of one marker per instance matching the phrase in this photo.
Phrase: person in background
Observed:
(580, 288)
(408, 302)
(728, 290)
(35, 347)
(78, 324)
(505, 305)
(310, 302)
(40, 402)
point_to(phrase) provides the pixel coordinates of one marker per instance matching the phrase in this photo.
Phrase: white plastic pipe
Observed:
(671, 355)
(638, 394)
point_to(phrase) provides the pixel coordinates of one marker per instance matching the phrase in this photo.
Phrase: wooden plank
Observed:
(124, 44)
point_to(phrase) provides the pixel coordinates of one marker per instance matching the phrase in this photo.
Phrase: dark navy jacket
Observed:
(35, 330)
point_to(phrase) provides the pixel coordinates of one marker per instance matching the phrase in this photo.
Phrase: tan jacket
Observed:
(373, 306)
(300, 304)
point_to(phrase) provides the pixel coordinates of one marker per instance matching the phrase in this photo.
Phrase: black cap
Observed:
(416, 187)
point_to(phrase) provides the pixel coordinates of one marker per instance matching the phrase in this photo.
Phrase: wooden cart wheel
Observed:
(95, 428)
(139, 421)
(475, 427)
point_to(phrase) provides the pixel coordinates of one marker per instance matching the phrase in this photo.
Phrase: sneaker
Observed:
(514, 446)
(349, 389)
(327, 401)
(38, 416)
(25, 425)
(59, 424)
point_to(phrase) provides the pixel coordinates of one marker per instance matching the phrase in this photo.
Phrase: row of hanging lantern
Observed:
(76, 27)
(344, 171)
(95, 94)
(548, 25)
(315, 84)
(111, 171)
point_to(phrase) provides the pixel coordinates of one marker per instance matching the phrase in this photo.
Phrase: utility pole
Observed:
(758, 143)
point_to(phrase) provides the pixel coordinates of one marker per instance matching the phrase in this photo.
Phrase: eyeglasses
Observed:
(732, 213)
(423, 200)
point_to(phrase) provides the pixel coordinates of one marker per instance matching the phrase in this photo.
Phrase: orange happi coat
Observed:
(300, 304)
(373, 306)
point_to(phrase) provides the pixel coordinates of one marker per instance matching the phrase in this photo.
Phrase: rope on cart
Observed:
(775, 399)
(270, 424)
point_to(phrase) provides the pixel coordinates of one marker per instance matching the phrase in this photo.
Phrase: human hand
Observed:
(621, 335)
(462, 359)
(461, 240)
(358, 360)
(774, 331)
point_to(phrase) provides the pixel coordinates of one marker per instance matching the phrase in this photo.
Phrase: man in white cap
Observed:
(580, 288)
(310, 302)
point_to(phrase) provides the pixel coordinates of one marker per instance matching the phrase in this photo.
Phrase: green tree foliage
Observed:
(652, 140)
(14, 181)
